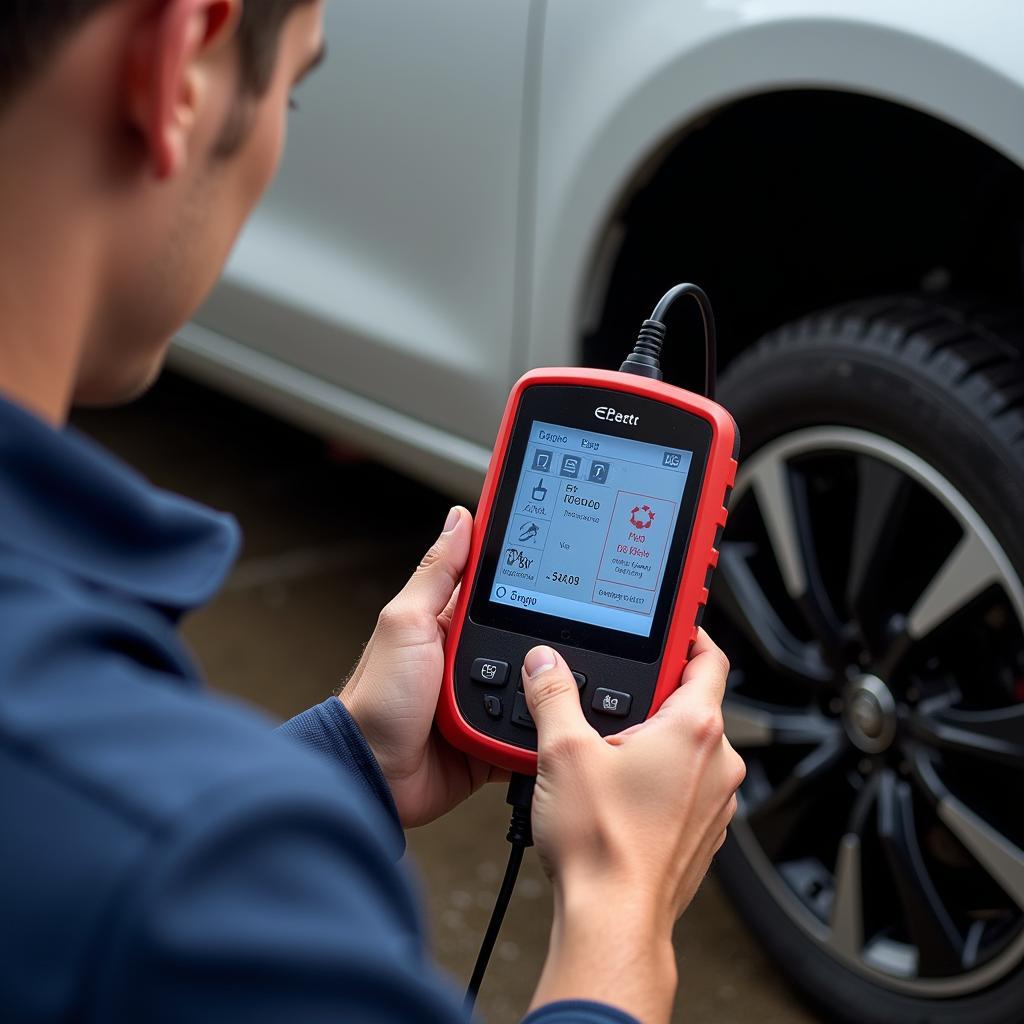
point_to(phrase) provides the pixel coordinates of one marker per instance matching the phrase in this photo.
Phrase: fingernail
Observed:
(540, 659)
(453, 520)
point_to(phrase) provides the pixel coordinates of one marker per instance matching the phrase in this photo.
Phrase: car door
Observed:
(383, 260)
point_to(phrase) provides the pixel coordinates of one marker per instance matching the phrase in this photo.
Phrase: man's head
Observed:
(151, 128)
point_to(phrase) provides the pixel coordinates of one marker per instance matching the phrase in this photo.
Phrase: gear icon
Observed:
(636, 517)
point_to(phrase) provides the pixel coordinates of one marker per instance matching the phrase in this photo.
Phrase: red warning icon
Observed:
(636, 517)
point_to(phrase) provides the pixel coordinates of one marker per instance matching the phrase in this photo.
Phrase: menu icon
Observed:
(570, 466)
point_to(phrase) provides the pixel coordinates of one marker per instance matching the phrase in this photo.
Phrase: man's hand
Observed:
(626, 827)
(392, 694)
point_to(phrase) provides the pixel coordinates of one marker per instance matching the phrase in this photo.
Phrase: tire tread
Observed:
(974, 350)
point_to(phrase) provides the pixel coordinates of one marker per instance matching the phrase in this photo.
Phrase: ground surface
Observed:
(328, 540)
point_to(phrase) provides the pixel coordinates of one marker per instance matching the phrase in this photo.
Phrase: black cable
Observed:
(508, 883)
(645, 359)
(520, 835)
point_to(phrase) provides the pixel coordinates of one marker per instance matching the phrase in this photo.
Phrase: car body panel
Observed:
(384, 258)
(446, 233)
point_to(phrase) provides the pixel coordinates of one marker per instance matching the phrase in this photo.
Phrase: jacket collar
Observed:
(66, 502)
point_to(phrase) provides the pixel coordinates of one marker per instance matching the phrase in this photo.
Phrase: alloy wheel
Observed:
(876, 631)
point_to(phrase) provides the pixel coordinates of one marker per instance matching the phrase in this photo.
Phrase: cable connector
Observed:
(520, 798)
(645, 359)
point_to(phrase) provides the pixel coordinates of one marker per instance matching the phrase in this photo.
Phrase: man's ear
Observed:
(168, 73)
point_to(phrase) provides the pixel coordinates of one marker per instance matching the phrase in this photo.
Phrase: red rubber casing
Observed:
(701, 557)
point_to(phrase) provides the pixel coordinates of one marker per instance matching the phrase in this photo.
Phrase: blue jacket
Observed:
(165, 854)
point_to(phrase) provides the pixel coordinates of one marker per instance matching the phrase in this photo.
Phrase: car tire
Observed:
(891, 422)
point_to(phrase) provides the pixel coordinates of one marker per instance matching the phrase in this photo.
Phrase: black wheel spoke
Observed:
(771, 484)
(1000, 857)
(774, 815)
(815, 603)
(861, 810)
(940, 945)
(846, 921)
(753, 723)
(739, 595)
(993, 735)
(882, 493)
(898, 645)
(782, 501)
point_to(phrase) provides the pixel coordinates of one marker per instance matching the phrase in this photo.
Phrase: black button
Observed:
(611, 702)
(521, 713)
(487, 672)
(492, 705)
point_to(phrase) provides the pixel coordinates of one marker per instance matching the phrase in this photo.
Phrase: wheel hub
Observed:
(870, 715)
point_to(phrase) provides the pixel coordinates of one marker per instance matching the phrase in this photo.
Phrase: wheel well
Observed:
(784, 203)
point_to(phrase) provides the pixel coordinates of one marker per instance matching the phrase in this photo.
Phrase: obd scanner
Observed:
(597, 533)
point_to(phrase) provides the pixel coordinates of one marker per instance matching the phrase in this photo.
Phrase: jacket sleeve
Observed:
(579, 1011)
(329, 730)
(278, 901)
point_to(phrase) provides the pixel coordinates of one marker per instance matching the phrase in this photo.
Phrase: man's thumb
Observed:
(432, 584)
(552, 696)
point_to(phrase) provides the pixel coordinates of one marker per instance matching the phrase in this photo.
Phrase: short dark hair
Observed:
(32, 30)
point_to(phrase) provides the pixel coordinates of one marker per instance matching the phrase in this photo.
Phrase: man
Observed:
(165, 855)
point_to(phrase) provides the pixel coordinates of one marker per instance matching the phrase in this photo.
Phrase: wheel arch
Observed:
(591, 174)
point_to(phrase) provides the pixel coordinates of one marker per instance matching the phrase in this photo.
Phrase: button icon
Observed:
(598, 472)
(488, 672)
(542, 461)
(528, 532)
(518, 559)
(570, 466)
(611, 702)
(671, 460)
(540, 492)
(492, 705)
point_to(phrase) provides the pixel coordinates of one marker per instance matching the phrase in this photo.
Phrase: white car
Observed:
(476, 187)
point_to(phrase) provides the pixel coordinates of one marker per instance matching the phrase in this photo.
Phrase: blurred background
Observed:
(472, 189)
